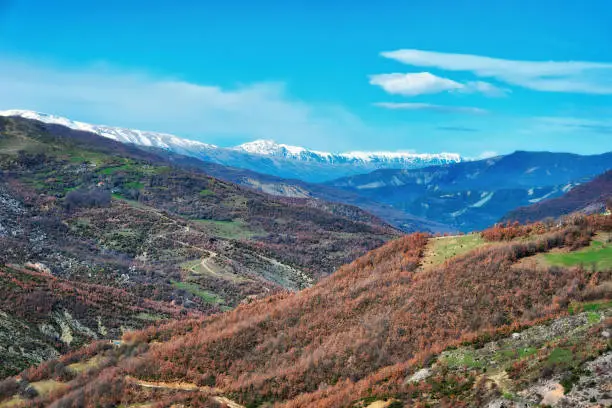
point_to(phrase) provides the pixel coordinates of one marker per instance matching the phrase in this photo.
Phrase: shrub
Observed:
(8, 388)
(87, 198)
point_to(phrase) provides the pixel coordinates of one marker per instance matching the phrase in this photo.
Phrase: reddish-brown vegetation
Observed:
(361, 331)
(374, 313)
(33, 295)
(510, 231)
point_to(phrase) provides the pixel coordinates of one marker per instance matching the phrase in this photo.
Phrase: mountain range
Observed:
(263, 156)
(134, 275)
(444, 193)
(474, 195)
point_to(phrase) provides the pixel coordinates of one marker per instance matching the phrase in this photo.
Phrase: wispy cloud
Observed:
(571, 124)
(550, 76)
(457, 129)
(104, 95)
(412, 84)
(430, 107)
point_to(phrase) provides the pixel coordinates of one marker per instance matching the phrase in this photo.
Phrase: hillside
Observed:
(42, 316)
(91, 211)
(416, 322)
(56, 161)
(342, 200)
(588, 198)
(474, 195)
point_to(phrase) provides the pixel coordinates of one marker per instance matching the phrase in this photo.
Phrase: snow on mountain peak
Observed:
(305, 163)
(138, 137)
(271, 148)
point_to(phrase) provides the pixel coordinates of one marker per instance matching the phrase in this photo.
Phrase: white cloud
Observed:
(487, 154)
(550, 76)
(412, 84)
(209, 113)
(430, 107)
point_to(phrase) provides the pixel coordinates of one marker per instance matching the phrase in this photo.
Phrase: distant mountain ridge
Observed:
(476, 194)
(264, 156)
(587, 198)
(404, 159)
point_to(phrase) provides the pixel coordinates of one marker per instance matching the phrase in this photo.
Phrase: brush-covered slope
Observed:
(92, 211)
(474, 195)
(42, 316)
(360, 336)
(588, 198)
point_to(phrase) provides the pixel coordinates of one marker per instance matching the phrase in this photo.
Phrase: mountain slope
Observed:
(474, 195)
(94, 213)
(42, 316)
(78, 160)
(363, 334)
(262, 156)
(588, 198)
(342, 201)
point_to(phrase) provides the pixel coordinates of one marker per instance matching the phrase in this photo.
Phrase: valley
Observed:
(303, 204)
(135, 276)
(84, 210)
(397, 334)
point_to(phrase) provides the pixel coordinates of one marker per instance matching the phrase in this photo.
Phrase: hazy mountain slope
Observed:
(362, 334)
(588, 197)
(263, 156)
(474, 195)
(344, 200)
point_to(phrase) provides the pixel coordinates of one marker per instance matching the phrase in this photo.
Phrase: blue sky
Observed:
(473, 77)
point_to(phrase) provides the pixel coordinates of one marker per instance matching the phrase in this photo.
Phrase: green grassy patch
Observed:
(84, 156)
(206, 192)
(107, 171)
(577, 307)
(593, 317)
(462, 359)
(149, 317)
(196, 270)
(85, 365)
(443, 248)
(597, 256)
(560, 356)
(235, 229)
(196, 290)
(527, 351)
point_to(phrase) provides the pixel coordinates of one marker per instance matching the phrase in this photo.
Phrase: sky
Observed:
(475, 77)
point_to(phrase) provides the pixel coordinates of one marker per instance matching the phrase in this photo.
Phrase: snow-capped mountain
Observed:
(403, 159)
(264, 156)
(138, 137)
